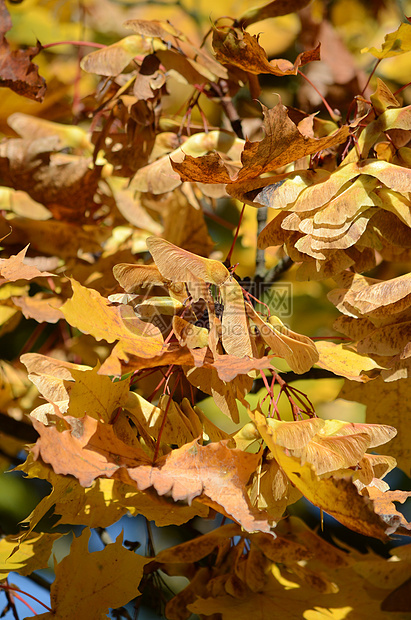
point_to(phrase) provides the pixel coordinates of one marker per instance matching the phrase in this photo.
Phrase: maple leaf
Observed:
(32, 554)
(214, 471)
(394, 44)
(235, 47)
(383, 398)
(95, 395)
(198, 548)
(86, 450)
(138, 162)
(17, 72)
(14, 268)
(76, 590)
(283, 143)
(92, 314)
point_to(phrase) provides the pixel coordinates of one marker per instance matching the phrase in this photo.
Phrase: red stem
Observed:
(330, 111)
(80, 43)
(15, 590)
(370, 76)
(402, 88)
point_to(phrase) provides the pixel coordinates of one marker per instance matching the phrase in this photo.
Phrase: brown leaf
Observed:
(17, 72)
(198, 548)
(132, 277)
(87, 451)
(283, 143)
(63, 182)
(214, 471)
(233, 46)
(63, 239)
(213, 169)
(384, 506)
(14, 268)
(40, 308)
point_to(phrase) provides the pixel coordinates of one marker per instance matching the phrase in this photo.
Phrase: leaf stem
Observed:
(15, 589)
(325, 102)
(370, 76)
(78, 43)
(401, 89)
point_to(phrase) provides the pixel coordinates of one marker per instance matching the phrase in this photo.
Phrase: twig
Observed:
(260, 269)
(278, 270)
(289, 377)
(235, 121)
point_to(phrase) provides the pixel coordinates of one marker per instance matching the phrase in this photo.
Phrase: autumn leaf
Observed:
(17, 72)
(283, 143)
(214, 471)
(86, 450)
(381, 400)
(108, 589)
(394, 44)
(33, 553)
(14, 268)
(135, 359)
(181, 266)
(239, 48)
(95, 395)
(345, 362)
(92, 314)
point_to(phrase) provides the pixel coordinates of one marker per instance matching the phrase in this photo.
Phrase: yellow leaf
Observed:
(92, 314)
(94, 581)
(182, 266)
(235, 330)
(394, 44)
(346, 362)
(32, 554)
(148, 418)
(95, 395)
(386, 402)
(111, 60)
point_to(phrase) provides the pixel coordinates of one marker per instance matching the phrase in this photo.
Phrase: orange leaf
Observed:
(14, 268)
(215, 471)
